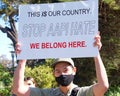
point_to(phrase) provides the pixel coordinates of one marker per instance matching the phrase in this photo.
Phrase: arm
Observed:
(102, 85)
(19, 87)
(18, 83)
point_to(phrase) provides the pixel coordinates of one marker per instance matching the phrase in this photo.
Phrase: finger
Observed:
(98, 44)
(97, 37)
(17, 48)
(17, 51)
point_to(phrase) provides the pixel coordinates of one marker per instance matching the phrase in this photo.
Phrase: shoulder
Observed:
(44, 92)
(85, 91)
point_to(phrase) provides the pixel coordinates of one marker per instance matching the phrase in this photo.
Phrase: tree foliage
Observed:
(5, 81)
(109, 25)
(113, 91)
(42, 74)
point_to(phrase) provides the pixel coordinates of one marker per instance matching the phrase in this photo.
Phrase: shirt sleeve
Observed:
(85, 91)
(39, 92)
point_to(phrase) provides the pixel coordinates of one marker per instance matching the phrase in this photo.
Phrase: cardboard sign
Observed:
(58, 29)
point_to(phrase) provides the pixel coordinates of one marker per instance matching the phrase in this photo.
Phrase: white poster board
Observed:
(58, 29)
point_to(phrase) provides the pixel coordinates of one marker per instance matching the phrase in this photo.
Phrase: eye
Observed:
(57, 71)
(68, 69)
(29, 83)
(65, 69)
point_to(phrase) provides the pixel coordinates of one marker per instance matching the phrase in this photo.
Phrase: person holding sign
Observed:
(64, 71)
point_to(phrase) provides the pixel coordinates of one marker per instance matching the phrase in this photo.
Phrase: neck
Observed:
(65, 89)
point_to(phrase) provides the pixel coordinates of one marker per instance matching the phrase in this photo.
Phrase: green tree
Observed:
(42, 74)
(5, 82)
(109, 25)
(9, 13)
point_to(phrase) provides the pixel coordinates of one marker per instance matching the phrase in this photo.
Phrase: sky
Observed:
(5, 42)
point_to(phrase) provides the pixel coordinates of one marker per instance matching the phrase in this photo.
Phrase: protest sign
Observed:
(58, 29)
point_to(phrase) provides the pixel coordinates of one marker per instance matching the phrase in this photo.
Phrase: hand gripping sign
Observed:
(58, 29)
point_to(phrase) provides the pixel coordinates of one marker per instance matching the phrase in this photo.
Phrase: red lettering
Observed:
(53, 45)
(81, 44)
(43, 45)
(34, 46)
(76, 44)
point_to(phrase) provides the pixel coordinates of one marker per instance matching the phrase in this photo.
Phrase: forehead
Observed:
(61, 65)
(29, 81)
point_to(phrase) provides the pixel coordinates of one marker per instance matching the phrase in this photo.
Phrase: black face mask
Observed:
(64, 80)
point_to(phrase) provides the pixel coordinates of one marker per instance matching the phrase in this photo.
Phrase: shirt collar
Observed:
(58, 92)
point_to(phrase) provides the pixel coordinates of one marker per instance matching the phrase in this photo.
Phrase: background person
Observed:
(29, 81)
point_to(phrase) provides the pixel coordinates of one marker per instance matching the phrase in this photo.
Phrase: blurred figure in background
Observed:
(29, 81)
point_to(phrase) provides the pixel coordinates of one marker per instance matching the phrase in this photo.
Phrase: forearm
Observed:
(18, 82)
(101, 72)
